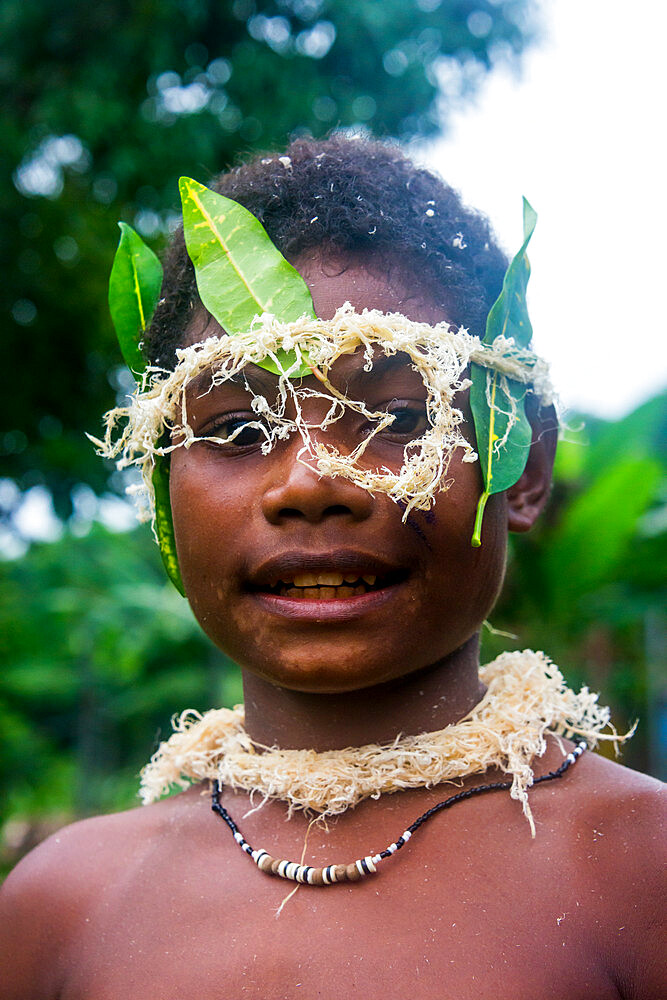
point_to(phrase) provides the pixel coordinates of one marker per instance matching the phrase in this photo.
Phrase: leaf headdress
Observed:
(243, 280)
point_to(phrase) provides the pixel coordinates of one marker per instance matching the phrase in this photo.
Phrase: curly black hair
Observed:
(350, 196)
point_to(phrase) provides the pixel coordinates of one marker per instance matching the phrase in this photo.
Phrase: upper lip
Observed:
(346, 561)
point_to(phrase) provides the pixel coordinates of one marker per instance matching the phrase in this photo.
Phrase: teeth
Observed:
(325, 586)
(317, 580)
(322, 593)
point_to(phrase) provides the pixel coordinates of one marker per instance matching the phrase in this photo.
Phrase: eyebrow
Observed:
(382, 367)
(257, 380)
(260, 381)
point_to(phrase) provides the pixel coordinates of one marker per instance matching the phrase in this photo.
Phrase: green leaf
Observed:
(603, 523)
(240, 273)
(502, 464)
(508, 317)
(164, 524)
(134, 288)
(509, 313)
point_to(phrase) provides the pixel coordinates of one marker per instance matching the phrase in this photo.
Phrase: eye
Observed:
(410, 420)
(247, 435)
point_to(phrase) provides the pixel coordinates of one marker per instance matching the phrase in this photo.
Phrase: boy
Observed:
(354, 613)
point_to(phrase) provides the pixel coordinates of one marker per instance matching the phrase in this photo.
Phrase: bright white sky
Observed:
(581, 134)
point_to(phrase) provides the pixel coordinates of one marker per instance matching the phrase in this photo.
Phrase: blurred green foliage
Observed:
(587, 585)
(105, 105)
(99, 651)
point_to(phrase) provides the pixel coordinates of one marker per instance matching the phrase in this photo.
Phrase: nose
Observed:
(297, 492)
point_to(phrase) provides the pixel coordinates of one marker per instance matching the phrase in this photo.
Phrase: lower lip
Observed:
(331, 610)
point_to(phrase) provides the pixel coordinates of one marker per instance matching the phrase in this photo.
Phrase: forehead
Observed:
(369, 283)
(390, 373)
(364, 282)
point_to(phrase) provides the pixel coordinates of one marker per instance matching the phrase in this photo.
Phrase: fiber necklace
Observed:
(526, 699)
(368, 865)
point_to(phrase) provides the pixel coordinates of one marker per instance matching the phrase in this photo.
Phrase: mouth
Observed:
(327, 586)
(335, 580)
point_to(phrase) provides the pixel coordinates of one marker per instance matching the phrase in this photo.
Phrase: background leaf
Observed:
(134, 288)
(601, 522)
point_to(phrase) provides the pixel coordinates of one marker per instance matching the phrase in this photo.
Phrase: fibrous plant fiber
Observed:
(526, 698)
(158, 411)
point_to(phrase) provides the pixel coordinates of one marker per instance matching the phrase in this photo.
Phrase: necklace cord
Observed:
(367, 866)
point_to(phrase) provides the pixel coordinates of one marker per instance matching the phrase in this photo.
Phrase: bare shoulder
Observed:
(53, 891)
(632, 806)
(618, 824)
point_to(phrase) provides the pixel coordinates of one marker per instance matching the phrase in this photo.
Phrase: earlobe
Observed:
(526, 499)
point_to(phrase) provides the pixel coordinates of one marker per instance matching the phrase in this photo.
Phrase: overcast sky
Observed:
(581, 134)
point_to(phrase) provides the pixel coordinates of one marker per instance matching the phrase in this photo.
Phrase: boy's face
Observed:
(311, 582)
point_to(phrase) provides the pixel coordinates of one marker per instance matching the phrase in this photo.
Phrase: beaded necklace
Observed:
(358, 869)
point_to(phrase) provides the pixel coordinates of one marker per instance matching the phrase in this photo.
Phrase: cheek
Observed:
(470, 576)
(204, 520)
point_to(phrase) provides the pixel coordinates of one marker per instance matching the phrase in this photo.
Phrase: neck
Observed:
(427, 700)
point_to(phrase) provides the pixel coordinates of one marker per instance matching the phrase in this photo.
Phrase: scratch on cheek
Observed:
(412, 522)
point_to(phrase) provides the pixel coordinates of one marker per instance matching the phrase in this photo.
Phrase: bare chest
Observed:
(423, 928)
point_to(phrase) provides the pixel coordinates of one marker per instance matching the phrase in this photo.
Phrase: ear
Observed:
(526, 499)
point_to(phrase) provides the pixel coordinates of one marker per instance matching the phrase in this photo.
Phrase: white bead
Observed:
(281, 868)
(571, 758)
(358, 865)
(393, 848)
(406, 835)
(377, 858)
(238, 837)
(370, 862)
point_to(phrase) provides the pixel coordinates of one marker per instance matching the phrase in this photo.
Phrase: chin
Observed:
(333, 675)
(318, 676)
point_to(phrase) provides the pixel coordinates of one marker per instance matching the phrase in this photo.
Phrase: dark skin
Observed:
(160, 903)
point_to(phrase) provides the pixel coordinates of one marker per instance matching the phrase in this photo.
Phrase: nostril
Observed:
(333, 510)
(289, 513)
